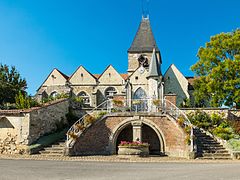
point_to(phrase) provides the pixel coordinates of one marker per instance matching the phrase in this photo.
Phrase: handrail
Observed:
(182, 113)
(79, 121)
(187, 121)
(166, 106)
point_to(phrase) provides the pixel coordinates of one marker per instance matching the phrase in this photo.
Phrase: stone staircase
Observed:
(209, 148)
(56, 149)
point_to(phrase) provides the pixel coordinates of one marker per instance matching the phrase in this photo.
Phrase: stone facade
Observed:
(20, 128)
(143, 79)
(102, 137)
(176, 83)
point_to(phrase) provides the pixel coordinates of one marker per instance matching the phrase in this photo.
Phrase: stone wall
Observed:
(234, 115)
(99, 138)
(176, 83)
(20, 128)
(226, 113)
(46, 119)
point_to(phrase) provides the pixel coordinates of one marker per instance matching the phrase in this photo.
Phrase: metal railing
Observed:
(78, 127)
(137, 105)
(176, 113)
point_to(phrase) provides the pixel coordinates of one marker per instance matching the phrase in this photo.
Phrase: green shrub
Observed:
(77, 99)
(100, 114)
(22, 101)
(224, 131)
(200, 119)
(234, 144)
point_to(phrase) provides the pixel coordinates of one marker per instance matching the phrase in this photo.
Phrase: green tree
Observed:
(22, 101)
(10, 84)
(218, 71)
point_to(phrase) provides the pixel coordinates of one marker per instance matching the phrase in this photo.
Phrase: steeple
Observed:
(144, 40)
(154, 68)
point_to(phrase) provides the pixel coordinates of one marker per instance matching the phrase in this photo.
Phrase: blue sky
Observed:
(39, 35)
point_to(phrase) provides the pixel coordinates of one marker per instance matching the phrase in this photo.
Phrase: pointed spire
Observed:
(144, 40)
(154, 68)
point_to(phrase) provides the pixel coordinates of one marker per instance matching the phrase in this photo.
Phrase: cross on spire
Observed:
(145, 8)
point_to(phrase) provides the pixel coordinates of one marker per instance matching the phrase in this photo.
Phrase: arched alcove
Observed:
(126, 134)
(150, 136)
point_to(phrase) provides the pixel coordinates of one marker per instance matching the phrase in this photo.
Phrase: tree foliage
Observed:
(10, 84)
(22, 101)
(218, 69)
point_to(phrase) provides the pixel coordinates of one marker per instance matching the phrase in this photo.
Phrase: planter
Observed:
(133, 150)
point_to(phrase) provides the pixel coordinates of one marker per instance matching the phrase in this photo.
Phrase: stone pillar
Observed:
(137, 131)
(172, 98)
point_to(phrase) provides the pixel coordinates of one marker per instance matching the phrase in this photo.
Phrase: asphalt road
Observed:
(59, 170)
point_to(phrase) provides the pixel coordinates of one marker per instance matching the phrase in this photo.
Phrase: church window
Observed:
(136, 78)
(110, 91)
(140, 94)
(81, 74)
(143, 61)
(109, 74)
(85, 97)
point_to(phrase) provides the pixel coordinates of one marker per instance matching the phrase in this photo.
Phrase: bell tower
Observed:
(140, 52)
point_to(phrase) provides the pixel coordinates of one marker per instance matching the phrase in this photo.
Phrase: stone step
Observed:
(52, 155)
(217, 151)
(209, 148)
(51, 152)
(215, 158)
(216, 155)
(59, 145)
(209, 144)
(53, 148)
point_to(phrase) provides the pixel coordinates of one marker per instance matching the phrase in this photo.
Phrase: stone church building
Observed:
(143, 79)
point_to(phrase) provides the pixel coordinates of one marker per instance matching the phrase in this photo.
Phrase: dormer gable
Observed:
(55, 78)
(82, 77)
(111, 76)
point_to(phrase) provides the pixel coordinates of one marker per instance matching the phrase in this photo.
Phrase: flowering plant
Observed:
(134, 143)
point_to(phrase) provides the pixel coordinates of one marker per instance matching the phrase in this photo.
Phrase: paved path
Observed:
(71, 170)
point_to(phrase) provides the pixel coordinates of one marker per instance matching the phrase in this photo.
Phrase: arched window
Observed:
(54, 94)
(140, 94)
(85, 97)
(140, 102)
(110, 91)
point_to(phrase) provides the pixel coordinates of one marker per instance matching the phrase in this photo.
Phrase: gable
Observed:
(175, 82)
(82, 76)
(55, 78)
(139, 78)
(111, 77)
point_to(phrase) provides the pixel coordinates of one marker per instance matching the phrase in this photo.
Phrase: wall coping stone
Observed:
(18, 112)
(131, 114)
(210, 108)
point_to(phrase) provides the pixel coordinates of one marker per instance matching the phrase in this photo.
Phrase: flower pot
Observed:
(133, 150)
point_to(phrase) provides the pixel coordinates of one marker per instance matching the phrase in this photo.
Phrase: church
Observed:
(143, 80)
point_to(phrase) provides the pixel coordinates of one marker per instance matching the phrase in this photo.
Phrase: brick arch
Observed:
(100, 138)
(125, 123)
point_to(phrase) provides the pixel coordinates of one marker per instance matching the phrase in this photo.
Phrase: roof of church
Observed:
(144, 40)
(154, 69)
(96, 75)
(124, 76)
(64, 75)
